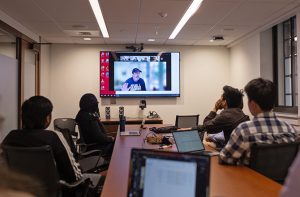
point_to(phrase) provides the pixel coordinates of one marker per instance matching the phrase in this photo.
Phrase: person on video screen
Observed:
(134, 83)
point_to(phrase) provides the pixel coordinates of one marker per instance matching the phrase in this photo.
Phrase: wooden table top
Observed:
(231, 181)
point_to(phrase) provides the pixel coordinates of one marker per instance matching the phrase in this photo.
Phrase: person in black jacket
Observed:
(92, 131)
(232, 115)
(36, 117)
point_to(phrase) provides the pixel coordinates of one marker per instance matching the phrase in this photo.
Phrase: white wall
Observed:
(74, 71)
(245, 61)
(266, 55)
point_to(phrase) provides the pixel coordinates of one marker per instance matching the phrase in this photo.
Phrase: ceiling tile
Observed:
(252, 13)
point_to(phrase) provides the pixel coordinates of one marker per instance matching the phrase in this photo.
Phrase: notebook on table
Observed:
(190, 142)
(156, 173)
(134, 132)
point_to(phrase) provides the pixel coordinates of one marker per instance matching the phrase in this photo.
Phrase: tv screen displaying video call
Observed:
(139, 74)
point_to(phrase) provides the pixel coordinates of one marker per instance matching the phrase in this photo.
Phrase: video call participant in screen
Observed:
(134, 83)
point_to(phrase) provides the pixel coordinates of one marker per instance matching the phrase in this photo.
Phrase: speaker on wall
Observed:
(107, 112)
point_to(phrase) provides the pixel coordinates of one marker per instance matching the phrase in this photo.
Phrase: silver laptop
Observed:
(190, 142)
(134, 133)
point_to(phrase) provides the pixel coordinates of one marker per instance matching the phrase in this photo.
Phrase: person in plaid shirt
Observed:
(264, 128)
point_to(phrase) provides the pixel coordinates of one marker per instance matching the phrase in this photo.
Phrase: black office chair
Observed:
(39, 163)
(66, 123)
(187, 121)
(90, 161)
(273, 160)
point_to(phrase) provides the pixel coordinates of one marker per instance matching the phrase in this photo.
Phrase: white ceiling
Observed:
(135, 21)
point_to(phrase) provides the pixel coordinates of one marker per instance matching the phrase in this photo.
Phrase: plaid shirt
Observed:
(264, 128)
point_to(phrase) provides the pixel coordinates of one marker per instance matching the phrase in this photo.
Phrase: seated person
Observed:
(264, 128)
(36, 117)
(232, 115)
(91, 129)
(134, 83)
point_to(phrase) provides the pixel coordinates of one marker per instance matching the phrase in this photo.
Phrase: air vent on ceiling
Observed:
(82, 33)
(218, 38)
(85, 33)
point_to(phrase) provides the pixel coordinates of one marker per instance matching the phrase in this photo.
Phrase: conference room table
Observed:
(225, 180)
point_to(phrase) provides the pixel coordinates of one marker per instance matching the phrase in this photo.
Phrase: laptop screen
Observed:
(188, 141)
(159, 173)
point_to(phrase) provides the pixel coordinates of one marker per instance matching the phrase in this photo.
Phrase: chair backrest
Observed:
(273, 160)
(65, 123)
(37, 162)
(68, 137)
(186, 121)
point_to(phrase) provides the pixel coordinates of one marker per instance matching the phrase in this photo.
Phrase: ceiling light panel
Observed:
(99, 17)
(187, 15)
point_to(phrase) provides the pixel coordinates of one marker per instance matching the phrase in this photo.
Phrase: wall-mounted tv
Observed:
(139, 74)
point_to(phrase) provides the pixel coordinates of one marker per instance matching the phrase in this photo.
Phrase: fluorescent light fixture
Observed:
(87, 39)
(99, 17)
(187, 15)
(151, 40)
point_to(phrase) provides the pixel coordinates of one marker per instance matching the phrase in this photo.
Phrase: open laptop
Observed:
(156, 173)
(132, 132)
(189, 141)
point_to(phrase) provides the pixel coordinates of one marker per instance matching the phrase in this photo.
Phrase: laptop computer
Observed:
(189, 141)
(156, 173)
(134, 133)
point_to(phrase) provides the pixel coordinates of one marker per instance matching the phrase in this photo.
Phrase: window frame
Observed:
(293, 76)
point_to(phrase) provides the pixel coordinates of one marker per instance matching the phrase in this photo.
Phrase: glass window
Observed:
(285, 65)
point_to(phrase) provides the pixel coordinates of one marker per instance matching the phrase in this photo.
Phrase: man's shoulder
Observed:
(245, 127)
(141, 80)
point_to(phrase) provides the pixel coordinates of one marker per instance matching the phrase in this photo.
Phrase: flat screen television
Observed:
(139, 74)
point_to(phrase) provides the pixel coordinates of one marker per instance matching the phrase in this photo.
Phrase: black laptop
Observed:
(156, 173)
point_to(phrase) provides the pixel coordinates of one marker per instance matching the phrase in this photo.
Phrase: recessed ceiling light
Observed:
(151, 40)
(87, 39)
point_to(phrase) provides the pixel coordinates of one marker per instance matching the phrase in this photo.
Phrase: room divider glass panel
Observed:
(8, 83)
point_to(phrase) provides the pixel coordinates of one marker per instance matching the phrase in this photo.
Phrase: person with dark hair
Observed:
(232, 115)
(134, 83)
(92, 131)
(36, 117)
(265, 127)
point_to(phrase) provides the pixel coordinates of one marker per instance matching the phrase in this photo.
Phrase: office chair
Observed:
(66, 123)
(39, 163)
(83, 146)
(273, 160)
(90, 161)
(186, 121)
